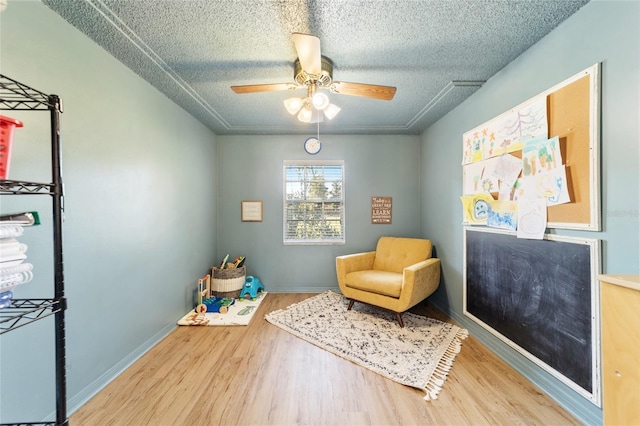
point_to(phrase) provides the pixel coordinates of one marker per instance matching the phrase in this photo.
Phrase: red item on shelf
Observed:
(7, 126)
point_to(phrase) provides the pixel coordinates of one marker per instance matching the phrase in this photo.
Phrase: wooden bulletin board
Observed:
(573, 114)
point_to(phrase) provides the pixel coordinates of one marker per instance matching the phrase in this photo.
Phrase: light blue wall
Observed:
(140, 211)
(251, 169)
(602, 31)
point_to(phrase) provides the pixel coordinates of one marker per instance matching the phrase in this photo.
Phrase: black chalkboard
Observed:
(538, 295)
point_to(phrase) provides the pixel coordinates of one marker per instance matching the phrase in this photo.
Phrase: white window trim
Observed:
(287, 163)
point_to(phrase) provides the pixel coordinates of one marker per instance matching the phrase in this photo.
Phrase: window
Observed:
(313, 202)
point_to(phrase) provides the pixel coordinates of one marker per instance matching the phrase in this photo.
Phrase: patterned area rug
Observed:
(419, 355)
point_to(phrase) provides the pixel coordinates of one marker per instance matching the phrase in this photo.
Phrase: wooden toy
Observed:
(215, 304)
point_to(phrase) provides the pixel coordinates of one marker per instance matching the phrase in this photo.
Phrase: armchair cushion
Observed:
(395, 254)
(379, 282)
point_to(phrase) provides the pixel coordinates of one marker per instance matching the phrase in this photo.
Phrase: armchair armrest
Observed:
(419, 281)
(353, 262)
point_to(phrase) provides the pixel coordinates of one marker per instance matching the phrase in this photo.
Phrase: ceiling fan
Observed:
(314, 71)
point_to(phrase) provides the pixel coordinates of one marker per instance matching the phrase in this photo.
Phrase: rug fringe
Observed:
(439, 376)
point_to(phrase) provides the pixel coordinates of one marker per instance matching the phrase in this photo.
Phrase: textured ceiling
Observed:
(436, 52)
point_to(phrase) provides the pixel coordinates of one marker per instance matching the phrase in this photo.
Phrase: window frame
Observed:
(312, 163)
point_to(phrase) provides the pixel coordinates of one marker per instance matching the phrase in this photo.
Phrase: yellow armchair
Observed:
(398, 275)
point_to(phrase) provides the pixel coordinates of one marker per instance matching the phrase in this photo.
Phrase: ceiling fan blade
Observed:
(384, 93)
(308, 48)
(254, 88)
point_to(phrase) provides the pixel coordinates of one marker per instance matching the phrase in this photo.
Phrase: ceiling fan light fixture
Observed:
(320, 100)
(305, 114)
(316, 116)
(313, 71)
(331, 111)
(293, 105)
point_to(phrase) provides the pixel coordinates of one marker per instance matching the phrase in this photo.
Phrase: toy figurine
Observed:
(252, 286)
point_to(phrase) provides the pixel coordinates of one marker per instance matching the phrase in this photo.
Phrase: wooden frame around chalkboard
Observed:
(516, 298)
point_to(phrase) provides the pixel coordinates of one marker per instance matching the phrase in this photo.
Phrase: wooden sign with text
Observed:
(381, 210)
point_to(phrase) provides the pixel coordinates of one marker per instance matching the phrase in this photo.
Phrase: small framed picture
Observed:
(251, 211)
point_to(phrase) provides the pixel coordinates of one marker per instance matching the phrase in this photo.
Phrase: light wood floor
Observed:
(261, 375)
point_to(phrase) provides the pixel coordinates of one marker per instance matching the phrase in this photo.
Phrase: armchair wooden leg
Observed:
(351, 301)
(399, 316)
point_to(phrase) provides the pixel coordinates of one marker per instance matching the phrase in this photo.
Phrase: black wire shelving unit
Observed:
(18, 96)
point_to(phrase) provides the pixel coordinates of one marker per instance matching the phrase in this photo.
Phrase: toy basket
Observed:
(227, 282)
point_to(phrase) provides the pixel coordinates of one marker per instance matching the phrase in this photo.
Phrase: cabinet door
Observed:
(620, 354)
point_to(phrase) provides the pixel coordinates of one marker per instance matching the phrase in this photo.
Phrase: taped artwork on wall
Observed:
(550, 186)
(507, 132)
(532, 218)
(503, 214)
(492, 175)
(475, 208)
(540, 155)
